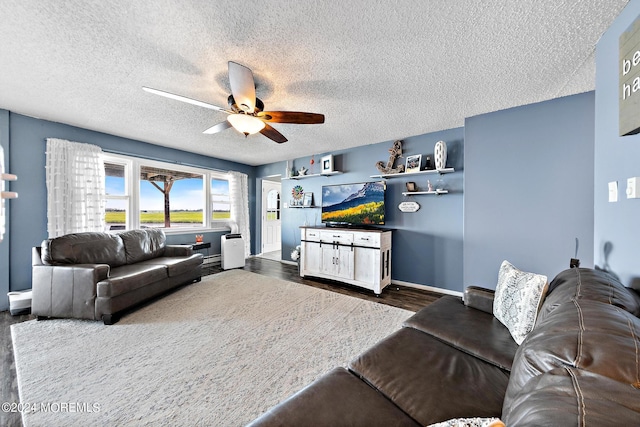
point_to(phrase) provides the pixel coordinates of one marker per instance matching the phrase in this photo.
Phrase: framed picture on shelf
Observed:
(307, 200)
(411, 186)
(413, 163)
(326, 164)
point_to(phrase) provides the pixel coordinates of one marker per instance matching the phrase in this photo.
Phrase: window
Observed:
(145, 193)
(171, 198)
(117, 206)
(220, 200)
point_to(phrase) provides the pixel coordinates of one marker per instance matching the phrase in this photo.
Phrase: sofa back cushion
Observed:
(595, 285)
(141, 245)
(568, 397)
(84, 248)
(590, 335)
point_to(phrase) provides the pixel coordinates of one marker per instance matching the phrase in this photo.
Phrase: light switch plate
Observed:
(613, 191)
(633, 187)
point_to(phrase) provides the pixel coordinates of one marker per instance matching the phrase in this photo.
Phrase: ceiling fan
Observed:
(246, 112)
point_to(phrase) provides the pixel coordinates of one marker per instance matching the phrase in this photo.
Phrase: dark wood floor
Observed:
(397, 296)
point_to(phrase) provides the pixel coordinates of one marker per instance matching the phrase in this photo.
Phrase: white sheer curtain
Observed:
(75, 187)
(239, 191)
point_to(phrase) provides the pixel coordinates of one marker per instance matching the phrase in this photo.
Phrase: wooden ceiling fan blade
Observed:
(184, 99)
(273, 134)
(296, 117)
(243, 86)
(218, 128)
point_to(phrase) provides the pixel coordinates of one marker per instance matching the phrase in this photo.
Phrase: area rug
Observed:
(218, 352)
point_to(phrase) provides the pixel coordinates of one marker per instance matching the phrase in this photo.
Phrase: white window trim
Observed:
(132, 187)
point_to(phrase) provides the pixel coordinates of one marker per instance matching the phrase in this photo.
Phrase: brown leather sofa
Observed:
(580, 366)
(99, 275)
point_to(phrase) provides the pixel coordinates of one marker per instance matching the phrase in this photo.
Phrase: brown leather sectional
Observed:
(580, 366)
(99, 275)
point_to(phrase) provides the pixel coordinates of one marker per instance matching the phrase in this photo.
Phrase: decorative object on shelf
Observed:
(199, 238)
(302, 171)
(411, 186)
(311, 163)
(439, 184)
(308, 199)
(394, 152)
(428, 163)
(429, 186)
(297, 193)
(326, 164)
(409, 206)
(440, 155)
(413, 163)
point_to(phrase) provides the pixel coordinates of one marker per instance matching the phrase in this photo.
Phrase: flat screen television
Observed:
(360, 204)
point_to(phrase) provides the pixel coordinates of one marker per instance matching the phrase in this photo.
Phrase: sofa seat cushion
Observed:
(569, 397)
(176, 266)
(467, 329)
(336, 399)
(588, 284)
(590, 335)
(84, 248)
(432, 381)
(130, 277)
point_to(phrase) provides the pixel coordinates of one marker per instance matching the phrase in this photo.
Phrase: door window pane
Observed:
(273, 205)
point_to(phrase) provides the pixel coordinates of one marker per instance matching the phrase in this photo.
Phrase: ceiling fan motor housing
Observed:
(232, 104)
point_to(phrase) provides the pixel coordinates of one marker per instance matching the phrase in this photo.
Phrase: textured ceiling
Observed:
(378, 70)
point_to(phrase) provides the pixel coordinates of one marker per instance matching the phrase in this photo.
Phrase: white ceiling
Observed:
(378, 70)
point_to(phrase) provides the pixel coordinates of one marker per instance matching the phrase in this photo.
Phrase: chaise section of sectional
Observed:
(431, 380)
(338, 398)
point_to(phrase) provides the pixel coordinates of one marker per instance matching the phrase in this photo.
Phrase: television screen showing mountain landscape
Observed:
(361, 203)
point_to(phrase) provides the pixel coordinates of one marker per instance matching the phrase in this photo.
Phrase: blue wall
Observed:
(28, 228)
(427, 245)
(4, 245)
(528, 188)
(617, 225)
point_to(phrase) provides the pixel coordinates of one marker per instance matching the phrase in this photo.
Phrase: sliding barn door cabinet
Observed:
(359, 257)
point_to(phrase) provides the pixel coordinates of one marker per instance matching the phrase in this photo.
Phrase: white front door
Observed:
(271, 228)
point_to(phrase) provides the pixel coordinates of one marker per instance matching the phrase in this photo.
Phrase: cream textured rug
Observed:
(219, 352)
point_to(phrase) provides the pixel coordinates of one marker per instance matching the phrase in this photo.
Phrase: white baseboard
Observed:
(210, 259)
(426, 288)
(284, 261)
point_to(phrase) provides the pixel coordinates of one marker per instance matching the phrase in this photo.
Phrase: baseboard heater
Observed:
(211, 259)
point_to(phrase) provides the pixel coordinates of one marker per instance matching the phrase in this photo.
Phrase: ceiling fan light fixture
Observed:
(246, 124)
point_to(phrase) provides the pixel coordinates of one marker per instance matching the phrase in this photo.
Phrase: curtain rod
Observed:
(163, 160)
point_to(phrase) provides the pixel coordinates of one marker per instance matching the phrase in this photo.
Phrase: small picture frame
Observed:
(411, 186)
(326, 164)
(307, 200)
(413, 163)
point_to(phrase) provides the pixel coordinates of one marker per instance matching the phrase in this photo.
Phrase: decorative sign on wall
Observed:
(409, 206)
(629, 80)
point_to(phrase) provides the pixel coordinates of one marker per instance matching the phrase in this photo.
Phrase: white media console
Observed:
(360, 257)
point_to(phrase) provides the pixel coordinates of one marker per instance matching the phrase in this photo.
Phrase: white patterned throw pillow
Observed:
(518, 299)
(470, 422)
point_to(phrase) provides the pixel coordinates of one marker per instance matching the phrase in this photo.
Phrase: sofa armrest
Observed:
(479, 298)
(66, 291)
(178, 250)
